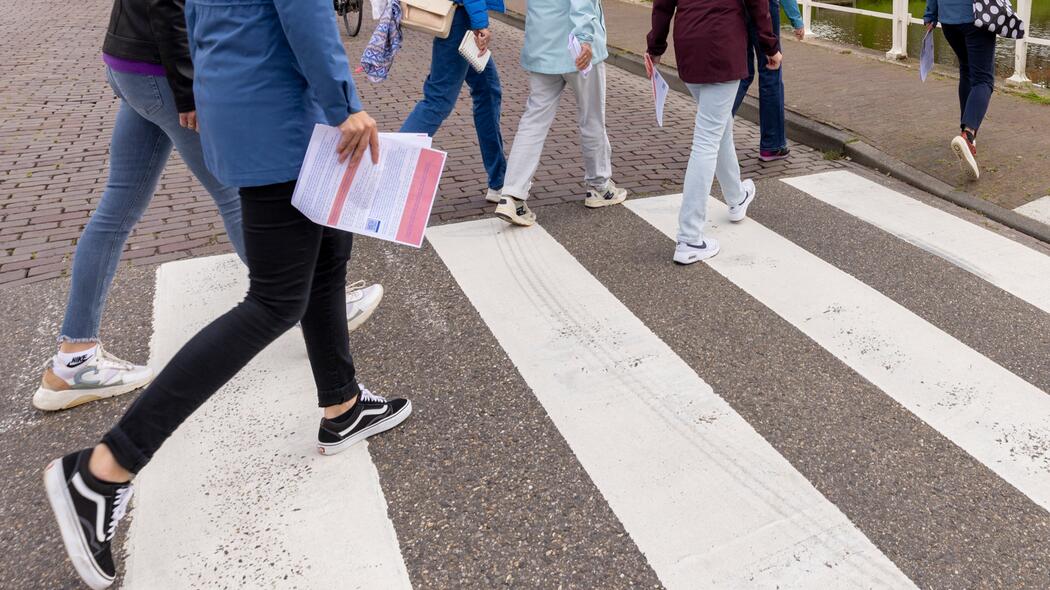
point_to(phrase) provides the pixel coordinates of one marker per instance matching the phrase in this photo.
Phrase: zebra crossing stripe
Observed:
(707, 500)
(1009, 265)
(994, 415)
(238, 497)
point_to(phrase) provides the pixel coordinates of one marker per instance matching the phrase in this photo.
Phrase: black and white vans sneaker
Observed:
(371, 415)
(87, 511)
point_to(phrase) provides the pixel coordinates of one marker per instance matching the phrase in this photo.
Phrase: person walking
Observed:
(266, 73)
(975, 49)
(710, 40)
(773, 142)
(545, 56)
(448, 71)
(148, 66)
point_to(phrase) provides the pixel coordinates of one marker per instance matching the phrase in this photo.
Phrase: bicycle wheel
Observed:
(350, 9)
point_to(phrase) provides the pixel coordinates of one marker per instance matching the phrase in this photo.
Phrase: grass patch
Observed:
(1033, 96)
(833, 155)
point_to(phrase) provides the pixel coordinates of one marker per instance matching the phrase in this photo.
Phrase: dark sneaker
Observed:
(372, 414)
(774, 155)
(965, 147)
(87, 511)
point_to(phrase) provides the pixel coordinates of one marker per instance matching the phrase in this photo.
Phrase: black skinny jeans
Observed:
(297, 272)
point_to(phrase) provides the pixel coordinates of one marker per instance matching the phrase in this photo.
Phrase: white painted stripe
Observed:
(988, 411)
(1038, 209)
(239, 497)
(707, 500)
(1007, 264)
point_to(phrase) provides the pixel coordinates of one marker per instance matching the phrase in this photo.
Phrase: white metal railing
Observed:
(901, 18)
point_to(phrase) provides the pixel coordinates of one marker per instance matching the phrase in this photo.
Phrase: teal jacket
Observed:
(949, 12)
(548, 25)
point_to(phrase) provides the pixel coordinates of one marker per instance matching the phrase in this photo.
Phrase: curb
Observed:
(825, 137)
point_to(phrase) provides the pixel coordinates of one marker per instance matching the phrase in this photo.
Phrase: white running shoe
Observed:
(739, 212)
(966, 151)
(608, 195)
(493, 196)
(361, 303)
(101, 376)
(690, 253)
(515, 211)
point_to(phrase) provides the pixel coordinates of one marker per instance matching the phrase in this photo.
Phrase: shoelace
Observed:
(108, 361)
(120, 508)
(368, 396)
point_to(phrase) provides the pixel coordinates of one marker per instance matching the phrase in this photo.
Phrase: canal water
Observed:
(877, 33)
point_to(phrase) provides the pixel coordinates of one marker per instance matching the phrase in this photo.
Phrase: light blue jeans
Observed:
(146, 128)
(713, 155)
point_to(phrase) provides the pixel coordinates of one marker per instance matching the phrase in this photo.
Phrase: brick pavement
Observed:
(887, 106)
(57, 114)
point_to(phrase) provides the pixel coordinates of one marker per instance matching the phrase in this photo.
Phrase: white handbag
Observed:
(428, 16)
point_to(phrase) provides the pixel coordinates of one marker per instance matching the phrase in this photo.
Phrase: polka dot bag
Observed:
(998, 17)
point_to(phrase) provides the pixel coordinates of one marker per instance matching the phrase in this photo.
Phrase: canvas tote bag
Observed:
(428, 16)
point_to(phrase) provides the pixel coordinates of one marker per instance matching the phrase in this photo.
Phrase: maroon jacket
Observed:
(710, 36)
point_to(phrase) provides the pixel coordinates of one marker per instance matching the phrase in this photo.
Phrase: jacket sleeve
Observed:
(312, 34)
(583, 15)
(931, 12)
(167, 22)
(663, 12)
(759, 10)
(793, 13)
(478, 11)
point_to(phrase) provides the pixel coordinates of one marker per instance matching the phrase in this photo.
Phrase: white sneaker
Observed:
(515, 211)
(739, 212)
(101, 376)
(966, 151)
(689, 253)
(361, 303)
(609, 195)
(493, 196)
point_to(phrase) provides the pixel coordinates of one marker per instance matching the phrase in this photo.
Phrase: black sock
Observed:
(345, 415)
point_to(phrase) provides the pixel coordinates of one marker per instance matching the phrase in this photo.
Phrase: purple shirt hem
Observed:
(129, 66)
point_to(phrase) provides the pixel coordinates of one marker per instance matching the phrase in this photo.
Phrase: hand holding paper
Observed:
(660, 88)
(387, 197)
(577, 52)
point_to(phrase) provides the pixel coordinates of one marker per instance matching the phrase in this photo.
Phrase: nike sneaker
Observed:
(93, 375)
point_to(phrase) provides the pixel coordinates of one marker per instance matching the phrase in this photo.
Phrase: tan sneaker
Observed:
(609, 195)
(101, 376)
(515, 211)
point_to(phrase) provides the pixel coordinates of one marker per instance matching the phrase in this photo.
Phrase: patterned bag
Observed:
(998, 17)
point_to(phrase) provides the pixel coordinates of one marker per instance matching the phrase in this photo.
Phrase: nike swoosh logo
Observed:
(77, 361)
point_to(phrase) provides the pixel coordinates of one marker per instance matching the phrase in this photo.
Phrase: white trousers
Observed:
(544, 93)
(713, 155)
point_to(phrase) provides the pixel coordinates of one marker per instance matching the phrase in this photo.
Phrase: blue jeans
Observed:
(770, 87)
(975, 49)
(147, 127)
(448, 71)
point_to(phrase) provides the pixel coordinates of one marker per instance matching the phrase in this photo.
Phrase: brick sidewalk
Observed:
(57, 114)
(887, 106)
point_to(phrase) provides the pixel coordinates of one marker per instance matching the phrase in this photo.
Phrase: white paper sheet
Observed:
(576, 49)
(660, 88)
(926, 56)
(390, 200)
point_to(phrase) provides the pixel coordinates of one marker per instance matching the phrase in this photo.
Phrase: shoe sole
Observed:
(514, 220)
(963, 153)
(387, 423)
(773, 158)
(49, 400)
(358, 320)
(69, 527)
(694, 258)
(599, 203)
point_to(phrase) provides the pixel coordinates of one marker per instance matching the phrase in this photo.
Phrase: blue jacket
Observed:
(265, 72)
(478, 11)
(949, 12)
(548, 24)
(793, 13)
